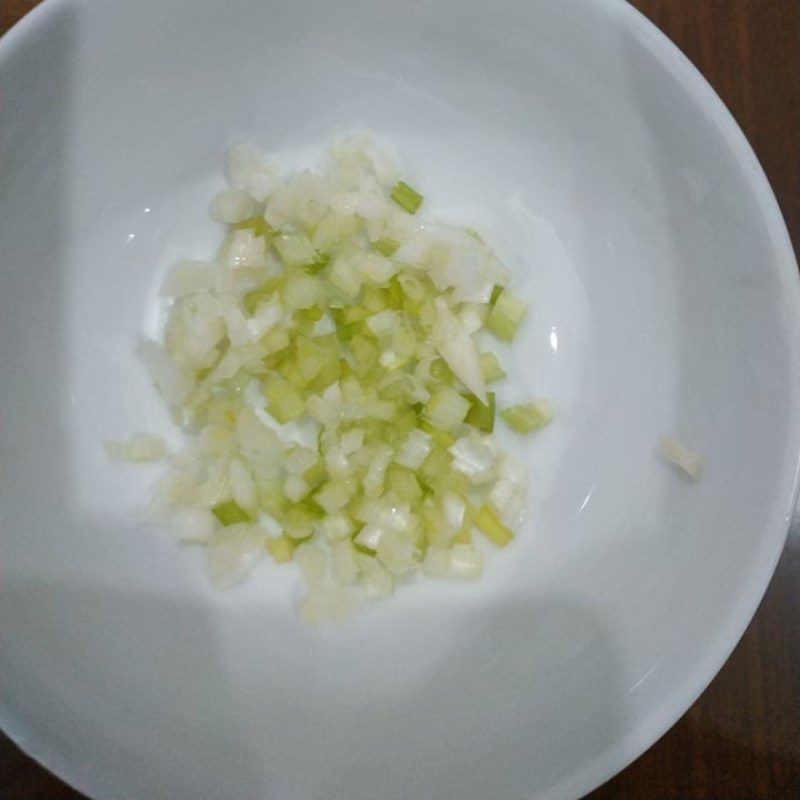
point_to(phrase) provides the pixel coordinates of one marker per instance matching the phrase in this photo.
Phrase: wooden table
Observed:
(741, 740)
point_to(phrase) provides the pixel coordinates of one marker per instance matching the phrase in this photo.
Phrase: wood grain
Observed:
(741, 740)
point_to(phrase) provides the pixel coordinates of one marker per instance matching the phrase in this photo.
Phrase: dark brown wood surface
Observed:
(741, 740)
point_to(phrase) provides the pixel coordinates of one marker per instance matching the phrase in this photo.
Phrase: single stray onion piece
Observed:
(678, 454)
(327, 374)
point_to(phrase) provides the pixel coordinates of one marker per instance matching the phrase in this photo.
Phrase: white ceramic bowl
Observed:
(665, 299)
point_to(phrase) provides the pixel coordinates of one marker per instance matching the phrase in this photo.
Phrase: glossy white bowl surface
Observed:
(664, 300)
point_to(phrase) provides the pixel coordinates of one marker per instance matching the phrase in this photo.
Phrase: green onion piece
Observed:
(276, 340)
(320, 261)
(528, 417)
(275, 361)
(464, 536)
(272, 499)
(394, 294)
(309, 357)
(481, 416)
(436, 464)
(252, 299)
(302, 291)
(456, 482)
(446, 409)
(311, 509)
(354, 314)
(295, 249)
(474, 234)
(497, 290)
(441, 371)
(491, 527)
(298, 524)
(408, 199)
(413, 288)
(335, 230)
(374, 299)
(427, 313)
(345, 278)
(404, 483)
(442, 438)
(345, 333)
(330, 370)
(365, 352)
(302, 323)
(230, 512)
(362, 548)
(284, 401)
(263, 294)
(281, 549)
(316, 474)
(506, 316)
(333, 496)
(290, 371)
(258, 225)
(490, 368)
(386, 246)
(315, 313)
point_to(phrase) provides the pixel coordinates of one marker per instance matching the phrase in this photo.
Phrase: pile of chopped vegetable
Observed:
(327, 372)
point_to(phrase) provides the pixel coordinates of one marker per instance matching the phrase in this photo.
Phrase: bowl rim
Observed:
(783, 268)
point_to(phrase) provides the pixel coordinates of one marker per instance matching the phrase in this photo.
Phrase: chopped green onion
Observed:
(295, 249)
(317, 264)
(406, 197)
(330, 370)
(506, 316)
(315, 474)
(365, 352)
(275, 340)
(446, 409)
(263, 294)
(298, 524)
(382, 322)
(354, 314)
(315, 313)
(441, 371)
(370, 453)
(284, 402)
(345, 278)
(481, 416)
(230, 512)
(404, 484)
(373, 299)
(367, 551)
(491, 527)
(528, 417)
(436, 464)
(334, 231)
(258, 225)
(272, 499)
(441, 437)
(490, 368)
(394, 293)
(333, 496)
(386, 246)
(464, 535)
(281, 549)
(309, 357)
(302, 291)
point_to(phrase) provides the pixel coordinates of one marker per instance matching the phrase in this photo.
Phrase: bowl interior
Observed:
(636, 221)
